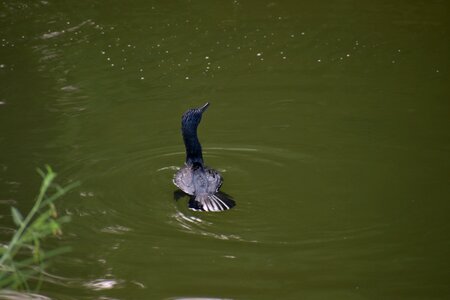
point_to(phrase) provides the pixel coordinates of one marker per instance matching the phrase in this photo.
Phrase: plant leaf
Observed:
(17, 216)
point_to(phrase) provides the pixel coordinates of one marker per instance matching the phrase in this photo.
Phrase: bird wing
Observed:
(183, 180)
(214, 180)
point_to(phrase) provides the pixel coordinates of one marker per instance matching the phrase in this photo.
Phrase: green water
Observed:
(329, 121)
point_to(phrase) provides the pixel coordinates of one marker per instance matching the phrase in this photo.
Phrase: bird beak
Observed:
(204, 107)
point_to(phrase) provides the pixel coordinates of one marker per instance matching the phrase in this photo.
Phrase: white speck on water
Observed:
(292, 35)
(399, 50)
(258, 54)
(319, 60)
(393, 61)
(103, 52)
(187, 78)
(2, 66)
(141, 285)
(141, 70)
(129, 46)
(2, 102)
(112, 65)
(108, 58)
(142, 78)
(101, 284)
(302, 33)
(437, 71)
(284, 57)
(86, 194)
(348, 55)
(206, 57)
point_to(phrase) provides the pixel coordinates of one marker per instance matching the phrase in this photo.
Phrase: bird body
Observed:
(195, 179)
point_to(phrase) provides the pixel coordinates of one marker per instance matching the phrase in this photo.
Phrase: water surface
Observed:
(328, 120)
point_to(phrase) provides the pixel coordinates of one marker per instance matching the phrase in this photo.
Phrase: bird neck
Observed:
(193, 149)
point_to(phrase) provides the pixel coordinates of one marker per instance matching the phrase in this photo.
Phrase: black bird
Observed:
(195, 179)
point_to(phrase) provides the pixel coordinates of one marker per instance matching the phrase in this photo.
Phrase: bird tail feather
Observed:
(214, 203)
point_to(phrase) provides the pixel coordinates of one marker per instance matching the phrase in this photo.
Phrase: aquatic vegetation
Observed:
(23, 259)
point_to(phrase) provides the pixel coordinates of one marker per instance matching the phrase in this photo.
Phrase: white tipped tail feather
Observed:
(212, 203)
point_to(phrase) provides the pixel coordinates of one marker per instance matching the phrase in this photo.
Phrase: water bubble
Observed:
(258, 54)
(187, 78)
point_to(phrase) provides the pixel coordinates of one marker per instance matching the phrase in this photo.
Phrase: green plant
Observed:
(23, 257)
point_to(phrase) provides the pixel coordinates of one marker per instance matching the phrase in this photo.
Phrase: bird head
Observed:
(191, 119)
